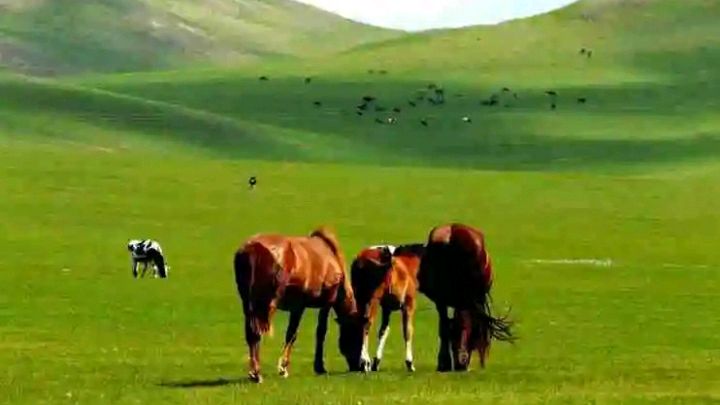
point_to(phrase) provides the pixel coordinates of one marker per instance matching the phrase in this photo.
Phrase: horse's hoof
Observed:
(375, 364)
(463, 357)
(320, 370)
(283, 371)
(443, 368)
(255, 377)
(282, 368)
(410, 366)
(460, 368)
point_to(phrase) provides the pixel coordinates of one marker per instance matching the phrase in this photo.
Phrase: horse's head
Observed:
(352, 333)
(352, 326)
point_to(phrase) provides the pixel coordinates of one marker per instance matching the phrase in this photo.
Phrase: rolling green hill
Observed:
(650, 90)
(52, 37)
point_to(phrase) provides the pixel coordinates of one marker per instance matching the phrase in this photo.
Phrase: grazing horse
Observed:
(292, 273)
(456, 272)
(386, 277)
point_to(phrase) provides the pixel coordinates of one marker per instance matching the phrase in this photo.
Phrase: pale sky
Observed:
(413, 15)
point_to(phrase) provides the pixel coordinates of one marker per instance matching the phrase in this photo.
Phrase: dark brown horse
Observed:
(386, 277)
(456, 272)
(292, 273)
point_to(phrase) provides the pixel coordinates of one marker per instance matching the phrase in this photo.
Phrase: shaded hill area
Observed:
(598, 84)
(52, 37)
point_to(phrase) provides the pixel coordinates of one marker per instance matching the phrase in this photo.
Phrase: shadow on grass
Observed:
(210, 383)
(221, 381)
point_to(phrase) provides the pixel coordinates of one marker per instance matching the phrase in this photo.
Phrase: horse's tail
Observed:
(255, 288)
(486, 326)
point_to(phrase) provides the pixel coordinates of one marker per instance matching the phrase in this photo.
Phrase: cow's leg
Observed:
(383, 334)
(135, 268)
(290, 337)
(320, 332)
(160, 266)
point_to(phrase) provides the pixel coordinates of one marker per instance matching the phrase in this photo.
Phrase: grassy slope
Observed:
(81, 169)
(51, 37)
(651, 90)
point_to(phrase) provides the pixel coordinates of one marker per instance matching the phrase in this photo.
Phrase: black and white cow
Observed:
(147, 251)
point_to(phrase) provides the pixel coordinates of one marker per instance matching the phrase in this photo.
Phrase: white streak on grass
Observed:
(590, 262)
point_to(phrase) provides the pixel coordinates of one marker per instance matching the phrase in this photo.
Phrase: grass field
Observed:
(632, 176)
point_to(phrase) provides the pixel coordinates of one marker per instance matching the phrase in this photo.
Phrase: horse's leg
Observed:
(290, 337)
(383, 333)
(145, 264)
(444, 358)
(365, 365)
(408, 314)
(253, 342)
(320, 332)
(462, 325)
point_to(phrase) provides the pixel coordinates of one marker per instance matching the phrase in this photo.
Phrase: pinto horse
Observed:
(292, 273)
(386, 277)
(456, 272)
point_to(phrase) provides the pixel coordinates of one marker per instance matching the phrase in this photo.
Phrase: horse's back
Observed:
(312, 273)
(455, 264)
(297, 270)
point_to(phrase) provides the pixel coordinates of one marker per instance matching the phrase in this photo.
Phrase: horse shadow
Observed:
(208, 383)
(221, 381)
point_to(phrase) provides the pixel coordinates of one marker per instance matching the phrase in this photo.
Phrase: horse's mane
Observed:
(331, 240)
(346, 295)
(411, 249)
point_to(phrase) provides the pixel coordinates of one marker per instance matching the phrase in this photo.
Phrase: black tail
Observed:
(487, 327)
(241, 264)
(257, 312)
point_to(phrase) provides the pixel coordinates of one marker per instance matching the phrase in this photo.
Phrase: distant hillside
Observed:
(648, 94)
(50, 37)
(660, 35)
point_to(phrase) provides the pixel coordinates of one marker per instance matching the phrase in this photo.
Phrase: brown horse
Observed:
(292, 273)
(456, 272)
(386, 277)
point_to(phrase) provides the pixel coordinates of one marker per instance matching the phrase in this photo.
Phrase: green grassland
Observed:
(633, 176)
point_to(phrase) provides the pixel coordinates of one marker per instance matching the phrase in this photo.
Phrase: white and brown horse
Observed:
(385, 278)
